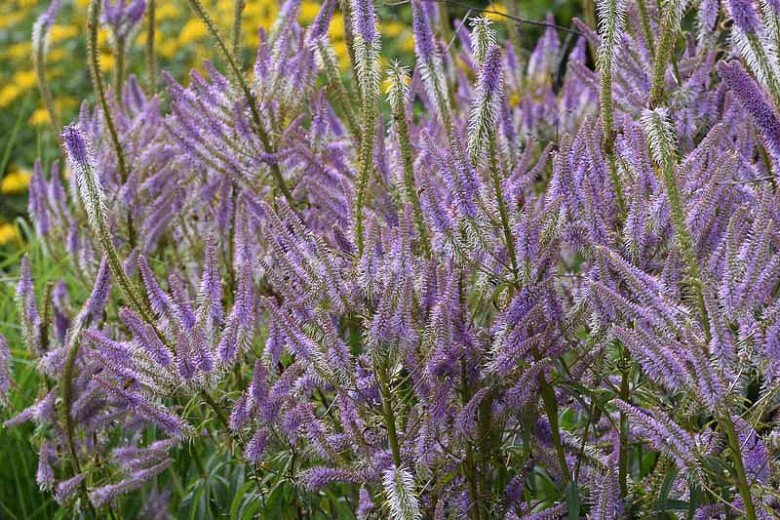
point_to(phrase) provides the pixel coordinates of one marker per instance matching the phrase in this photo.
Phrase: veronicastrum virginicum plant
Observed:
(509, 288)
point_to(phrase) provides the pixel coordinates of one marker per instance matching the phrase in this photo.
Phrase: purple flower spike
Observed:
(101, 291)
(490, 78)
(75, 145)
(424, 41)
(5, 376)
(319, 28)
(123, 17)
(745, 15)
(365, 23)
(755, 103)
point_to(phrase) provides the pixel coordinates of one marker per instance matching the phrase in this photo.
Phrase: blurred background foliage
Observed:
(26, 133)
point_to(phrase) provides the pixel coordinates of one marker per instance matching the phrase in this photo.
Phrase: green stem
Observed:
(349, 34)
(645, 16)
(551, 409)
(606, 62)
(235, 32)
(369, 99)
(119, 72)
(333, 76)
(389, 415)
(409, 182)
(39, 61)
(469, 465)
(766, 68)
(614, 176)
(736, 454)
(66, 393)
(624, 395)
(685, 242)
(151, 56)
(93, 23)
(664, 50)
(502, 207)
(223, 419)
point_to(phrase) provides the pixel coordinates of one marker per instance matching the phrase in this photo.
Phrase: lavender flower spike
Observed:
(82, 165)
(424, 42)
(5, 376)
(320, 25)
(363, 11)
(744, 14)
(755, 103)
(485, 111)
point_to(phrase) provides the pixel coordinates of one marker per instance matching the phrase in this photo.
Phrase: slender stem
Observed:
(223, 419)
(624, 395)
(551, 409)
(93, 23)
(736, 454)
(413, 197)
(664, 50)
(39, 61)
(606, 61)
(645, 16)
(444, 19)
(119, 70)
(335, 83)
(66, 393)
(388, 414)
(614, 176)
(349, 33)
(685, 242)
(589, 13)
(502, 207)
(368, 134)
(235, 31)
(766, 69)
(276, 172)
(151, 56)
(46, 316)
(469, 464)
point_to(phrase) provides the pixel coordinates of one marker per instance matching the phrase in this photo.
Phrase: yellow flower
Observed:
(8, 233)
(24, 79)
(9, 19)
(19, 50)
(8, 94)
(39, 117)
(393, 29)
(62, 32)
(341, 52)
(167, 48)
(309, 11)
(15, 182)
(106, 61)
(193, 30)
(103, 37)
(167, 11)
(336, 29)
(497, 8)
(406, 44)
(58, 54)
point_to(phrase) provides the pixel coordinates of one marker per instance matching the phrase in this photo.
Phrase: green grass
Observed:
(20, 496)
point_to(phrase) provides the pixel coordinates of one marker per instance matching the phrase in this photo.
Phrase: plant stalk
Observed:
(151, 56)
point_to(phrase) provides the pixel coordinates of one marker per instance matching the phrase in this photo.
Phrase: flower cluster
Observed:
(523, 287)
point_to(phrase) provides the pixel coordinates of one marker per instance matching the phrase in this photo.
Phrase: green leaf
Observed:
(573, 499)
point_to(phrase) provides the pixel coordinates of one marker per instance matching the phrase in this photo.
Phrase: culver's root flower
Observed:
(520, 285)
